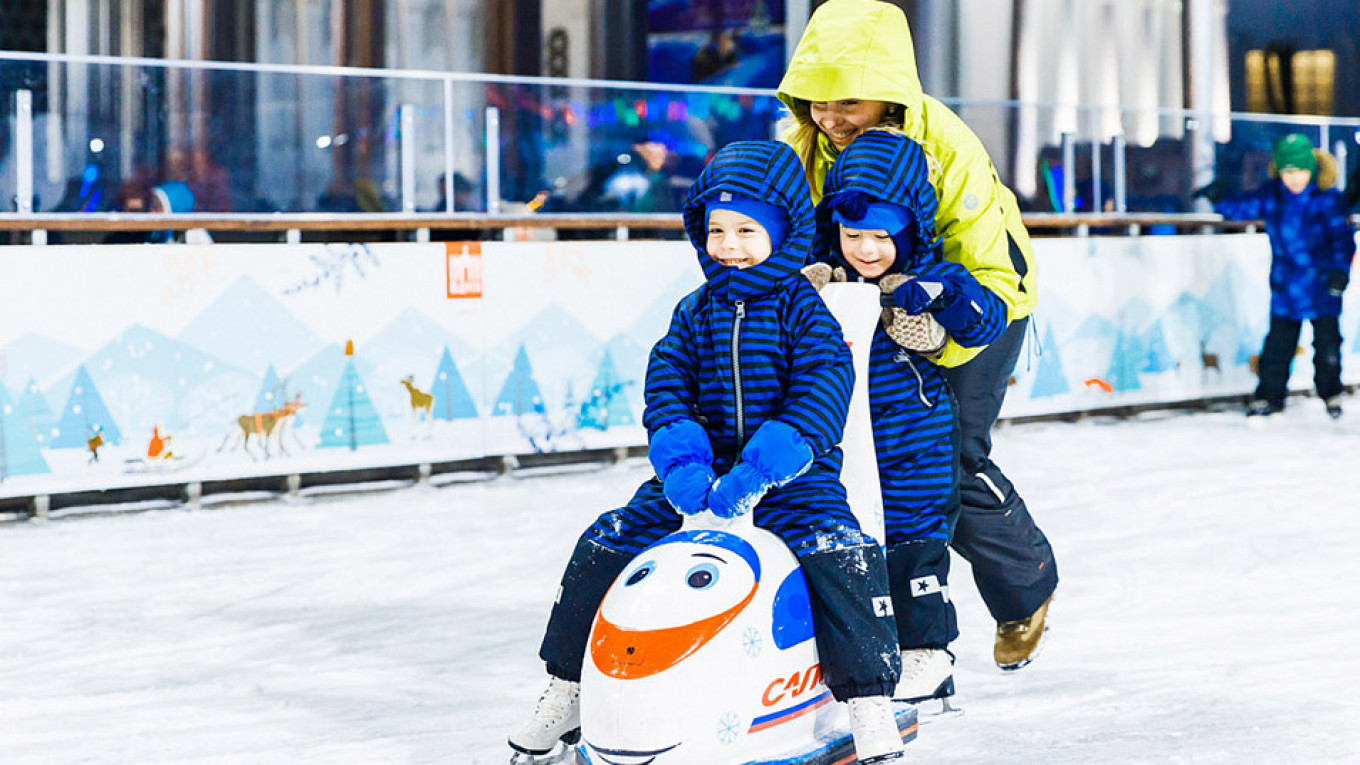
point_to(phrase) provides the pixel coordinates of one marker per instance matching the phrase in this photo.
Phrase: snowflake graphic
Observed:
(729, 727)
(752, 642)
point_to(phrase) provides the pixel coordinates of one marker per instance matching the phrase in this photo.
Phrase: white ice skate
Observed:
(556, 717)
(874, 726)
(927, 674)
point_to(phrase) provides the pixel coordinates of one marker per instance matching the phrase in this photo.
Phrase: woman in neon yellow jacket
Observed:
(854, 69)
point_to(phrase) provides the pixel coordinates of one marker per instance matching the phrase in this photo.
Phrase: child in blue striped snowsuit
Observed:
(876, 222)
(746, 400)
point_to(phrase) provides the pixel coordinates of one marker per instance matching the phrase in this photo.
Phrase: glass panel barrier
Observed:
(263, 138)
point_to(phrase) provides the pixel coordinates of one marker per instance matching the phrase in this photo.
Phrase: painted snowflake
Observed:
(752, 641)
(729, 727)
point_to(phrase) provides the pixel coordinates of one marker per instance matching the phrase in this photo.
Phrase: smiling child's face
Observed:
(871, 252)
(736, 240)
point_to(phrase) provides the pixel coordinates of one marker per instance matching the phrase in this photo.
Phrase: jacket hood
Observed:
(854, 49)
(767, 171)
(884, 166)
(1324, 178)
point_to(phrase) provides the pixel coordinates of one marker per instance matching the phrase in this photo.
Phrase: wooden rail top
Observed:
(281, 222)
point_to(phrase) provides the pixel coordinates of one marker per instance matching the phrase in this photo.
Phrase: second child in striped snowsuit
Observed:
(746, 400)
(876, 223)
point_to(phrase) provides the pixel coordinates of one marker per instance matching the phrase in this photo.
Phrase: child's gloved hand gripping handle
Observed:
(775, 455)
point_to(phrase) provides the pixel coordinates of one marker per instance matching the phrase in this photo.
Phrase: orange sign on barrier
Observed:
(463, 263)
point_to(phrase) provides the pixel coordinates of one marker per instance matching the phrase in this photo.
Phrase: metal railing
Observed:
(95, 134)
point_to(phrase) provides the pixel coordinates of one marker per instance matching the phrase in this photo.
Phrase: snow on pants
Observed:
(1012, 561)
(1278, 355)
(845, 570)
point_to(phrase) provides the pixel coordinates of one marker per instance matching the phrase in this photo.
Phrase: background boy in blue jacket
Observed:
(1312, 244)
(876, 223)
(746, 400)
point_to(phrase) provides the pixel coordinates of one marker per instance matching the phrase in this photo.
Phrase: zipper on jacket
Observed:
(736, 372)
(903, 357)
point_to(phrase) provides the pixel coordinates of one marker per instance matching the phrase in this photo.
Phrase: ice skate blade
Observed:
(560, 756)
(561, 752)
(942, 691)
(933, 710)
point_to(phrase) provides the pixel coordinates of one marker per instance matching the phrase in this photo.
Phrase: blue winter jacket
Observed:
(1310, 240)
(752, 344)
(913, 414)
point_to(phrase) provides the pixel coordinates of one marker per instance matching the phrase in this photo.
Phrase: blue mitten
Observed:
(687, 487)
(775, 455)
(946, 290)
(683, 459)
(738, 492)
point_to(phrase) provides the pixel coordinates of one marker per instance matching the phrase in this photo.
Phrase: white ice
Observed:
(1209, 612)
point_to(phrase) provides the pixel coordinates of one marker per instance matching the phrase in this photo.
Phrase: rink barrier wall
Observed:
(291, 226)
(280, 368)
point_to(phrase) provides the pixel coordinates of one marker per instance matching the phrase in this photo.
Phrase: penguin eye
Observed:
(702, 576)
(640, 574)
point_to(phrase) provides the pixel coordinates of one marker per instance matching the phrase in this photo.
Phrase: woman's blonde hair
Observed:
(800, 132)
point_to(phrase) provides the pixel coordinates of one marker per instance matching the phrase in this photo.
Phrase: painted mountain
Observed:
(250, 328)
(149, 379)
(41, 358)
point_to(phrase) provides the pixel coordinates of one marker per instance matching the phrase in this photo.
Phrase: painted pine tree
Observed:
(1158, 356)
(1125, 361)
(520, 393)
(1049, 377)
(351, 419)
(607, 405)
(451, 398)
(83, 415)
(19, 452)
(35, 413)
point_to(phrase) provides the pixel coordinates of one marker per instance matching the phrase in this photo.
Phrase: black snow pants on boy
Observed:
(1278, 355)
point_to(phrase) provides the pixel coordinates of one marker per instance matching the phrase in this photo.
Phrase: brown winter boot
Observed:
(1018, 642)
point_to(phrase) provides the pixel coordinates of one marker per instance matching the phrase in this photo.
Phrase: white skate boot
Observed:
(874, 726)
(556, 717)
(927, 673)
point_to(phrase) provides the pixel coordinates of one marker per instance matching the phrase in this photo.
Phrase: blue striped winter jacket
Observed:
(758, 343)
(909, 400)
(1310, 238)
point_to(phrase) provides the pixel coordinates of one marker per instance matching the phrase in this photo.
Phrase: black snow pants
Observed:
(1012, 561)
(1278, 355)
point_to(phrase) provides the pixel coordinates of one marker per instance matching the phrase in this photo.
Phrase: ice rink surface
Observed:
(1209, 612)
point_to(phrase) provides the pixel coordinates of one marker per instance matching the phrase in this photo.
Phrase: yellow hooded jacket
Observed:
(862, 49)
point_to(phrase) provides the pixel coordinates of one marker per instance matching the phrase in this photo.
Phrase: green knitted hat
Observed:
(1295, 152)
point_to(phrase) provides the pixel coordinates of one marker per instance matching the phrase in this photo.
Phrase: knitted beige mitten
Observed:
(919, 333)
(822, 274)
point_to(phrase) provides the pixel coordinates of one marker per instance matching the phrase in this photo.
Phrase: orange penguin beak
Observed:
(627, 654)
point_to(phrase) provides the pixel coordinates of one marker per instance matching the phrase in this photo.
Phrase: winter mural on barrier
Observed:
(122, 365)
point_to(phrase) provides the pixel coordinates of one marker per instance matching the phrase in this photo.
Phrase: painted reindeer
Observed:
(421, 403)
(263, 425)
